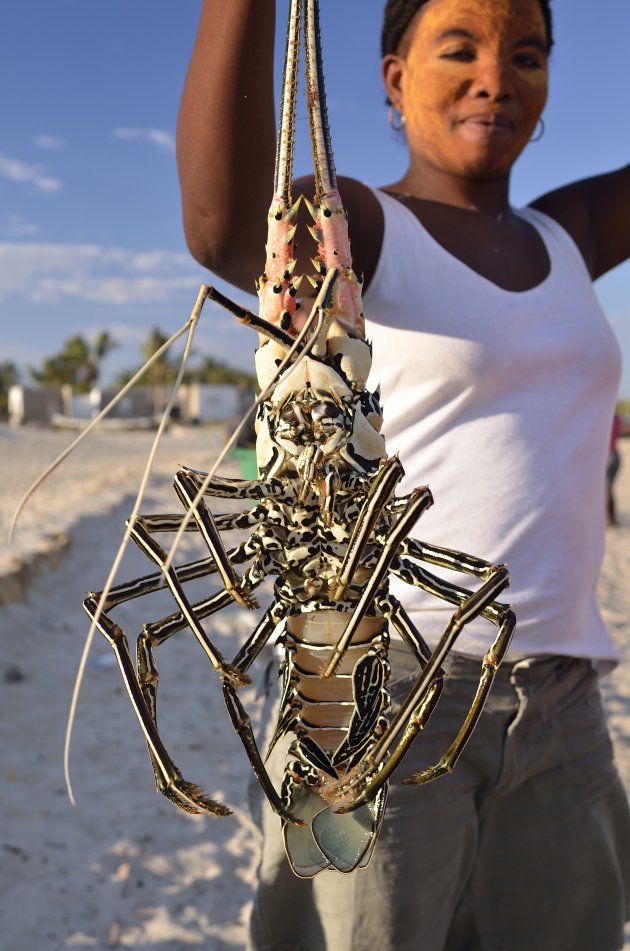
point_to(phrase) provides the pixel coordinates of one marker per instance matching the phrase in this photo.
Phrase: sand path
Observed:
(124, 868)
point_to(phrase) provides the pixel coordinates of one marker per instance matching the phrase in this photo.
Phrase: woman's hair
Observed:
(400, 13)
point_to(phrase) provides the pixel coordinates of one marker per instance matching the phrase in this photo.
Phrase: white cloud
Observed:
(15, 226)
(22, 174)
(160, 137)
(38, 272)
(46, 141)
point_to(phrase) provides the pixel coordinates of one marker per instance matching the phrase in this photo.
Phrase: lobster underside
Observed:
(324, 520)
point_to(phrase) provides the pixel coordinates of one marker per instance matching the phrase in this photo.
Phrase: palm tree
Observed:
(103, 345)
(164, 370)
(78, 363)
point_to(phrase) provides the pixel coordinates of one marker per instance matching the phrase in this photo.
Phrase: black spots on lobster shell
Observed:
(309, 520)
(370, 403)
(334, 360)
(368, 679)
(314, 754)
(265, 470)
(363, 462)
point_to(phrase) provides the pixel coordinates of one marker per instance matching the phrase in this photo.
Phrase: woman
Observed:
(498, 374)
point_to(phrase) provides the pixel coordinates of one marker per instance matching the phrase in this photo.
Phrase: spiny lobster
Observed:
(327, 523)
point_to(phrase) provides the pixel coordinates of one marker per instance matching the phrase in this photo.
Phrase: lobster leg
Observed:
(489, 667)
(254, 490)
(411, 716)
(413, 574)
(419, 501)
(157, 554)
(148, 584)
(391, 608)
(169, 780)
(239, 716)
(384, 484)
(447, 558)
(187, 492)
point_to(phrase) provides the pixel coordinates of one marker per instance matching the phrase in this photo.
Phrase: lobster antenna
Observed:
(323, 160)
(190, 325)
(286, 129)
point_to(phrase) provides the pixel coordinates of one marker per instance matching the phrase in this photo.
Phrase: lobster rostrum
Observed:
(327, 524)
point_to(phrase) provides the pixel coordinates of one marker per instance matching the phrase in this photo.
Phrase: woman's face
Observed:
(471, 80)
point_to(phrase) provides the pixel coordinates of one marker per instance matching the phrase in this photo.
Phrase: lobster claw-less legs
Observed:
(142, 684)
(417, 503)
(169, 780)
(413, 713)
(240, 718)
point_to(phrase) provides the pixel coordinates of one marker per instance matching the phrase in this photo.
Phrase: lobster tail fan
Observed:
(304, 855)
(329, 839)
(349, 845)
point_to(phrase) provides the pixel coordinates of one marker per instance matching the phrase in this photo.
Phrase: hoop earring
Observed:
(396, 118)
(540, 133)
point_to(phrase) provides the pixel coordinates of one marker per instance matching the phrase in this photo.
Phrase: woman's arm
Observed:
(226, 150)
(226, 138)
(596, 213)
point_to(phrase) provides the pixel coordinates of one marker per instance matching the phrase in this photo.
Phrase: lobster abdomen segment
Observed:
(334, 722)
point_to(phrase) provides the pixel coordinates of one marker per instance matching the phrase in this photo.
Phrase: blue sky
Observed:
(90, 230)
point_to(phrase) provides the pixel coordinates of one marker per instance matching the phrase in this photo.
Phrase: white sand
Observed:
(125, 868)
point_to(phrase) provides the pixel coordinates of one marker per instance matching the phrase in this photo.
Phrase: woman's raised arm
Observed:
(596, 213)
(226, 138)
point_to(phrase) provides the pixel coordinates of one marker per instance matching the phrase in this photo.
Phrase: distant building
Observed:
(33, 405)
(142, 405)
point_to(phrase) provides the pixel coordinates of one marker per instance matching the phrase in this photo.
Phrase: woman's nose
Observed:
(492, 80)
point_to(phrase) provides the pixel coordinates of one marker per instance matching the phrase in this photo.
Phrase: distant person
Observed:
(499, 376)
(612, 469)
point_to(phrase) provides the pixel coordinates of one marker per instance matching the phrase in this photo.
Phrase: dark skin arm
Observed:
(226, 142)
(596, 213)
(226, 138)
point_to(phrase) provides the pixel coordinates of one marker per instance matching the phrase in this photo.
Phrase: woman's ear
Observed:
(392, 68)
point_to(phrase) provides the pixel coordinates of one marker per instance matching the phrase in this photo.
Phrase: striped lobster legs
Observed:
(327, 525)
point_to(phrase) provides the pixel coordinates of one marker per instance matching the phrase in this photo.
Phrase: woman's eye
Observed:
(527, 61)
(463, 55)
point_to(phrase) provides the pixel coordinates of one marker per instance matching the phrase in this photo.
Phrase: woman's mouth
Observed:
(486, 124)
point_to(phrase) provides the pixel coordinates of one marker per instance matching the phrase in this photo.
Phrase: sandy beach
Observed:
(124, 868)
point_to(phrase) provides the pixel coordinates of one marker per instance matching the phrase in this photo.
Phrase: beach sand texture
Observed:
(124, 868)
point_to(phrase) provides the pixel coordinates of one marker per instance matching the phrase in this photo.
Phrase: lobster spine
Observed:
(330, 229)
(276, 288)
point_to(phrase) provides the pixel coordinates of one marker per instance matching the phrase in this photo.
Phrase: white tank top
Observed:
(502, 402)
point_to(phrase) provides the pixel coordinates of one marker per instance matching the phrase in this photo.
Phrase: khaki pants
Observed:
(525, 847)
